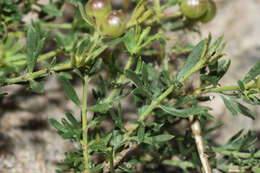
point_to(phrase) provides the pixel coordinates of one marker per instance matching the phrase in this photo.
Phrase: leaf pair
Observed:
(234, 107)
(135, 39)
(34, 45)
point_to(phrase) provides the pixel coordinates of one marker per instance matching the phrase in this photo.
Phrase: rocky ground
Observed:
(29, 145)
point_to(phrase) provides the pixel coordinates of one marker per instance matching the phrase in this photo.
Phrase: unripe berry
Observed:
(98, 8)
(114, 24)
(210, 13)
(194, 8)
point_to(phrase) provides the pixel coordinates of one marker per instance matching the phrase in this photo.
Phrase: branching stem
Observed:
(196, 130)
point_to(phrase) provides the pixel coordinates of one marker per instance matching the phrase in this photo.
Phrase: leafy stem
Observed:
(84, 123)
(120, 80)
(30, 76)
(159, 99)
(230, 88)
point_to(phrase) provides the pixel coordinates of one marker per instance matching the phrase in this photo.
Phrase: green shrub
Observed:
(94, 43)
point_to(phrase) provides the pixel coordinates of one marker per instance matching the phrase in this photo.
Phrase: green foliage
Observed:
(129, 75)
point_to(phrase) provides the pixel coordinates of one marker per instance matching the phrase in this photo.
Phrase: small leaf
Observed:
(245, 111)
(162, 138)
(129, 41)
(57, 125)
(83, 14)
(73, 120)
(69, 90)
(134, 77)
(149, 40)
(254, 72)
(98, 51)
(215, 46)
(143, 35)
(52, 10)
(37, 86)
(31, 46)
(229, 104)
(96, 67)
(192, 59)
(140, 133)
(101, 108)
(235, 107)
(241, 85)
(185, 113)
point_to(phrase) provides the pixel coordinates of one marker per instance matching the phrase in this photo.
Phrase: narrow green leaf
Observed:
(69, 90)
(162, 138)
(117, 139)
(73, 120)
(215, 46)
(83, 13)
(143, 35)
(140, 133)
(254, 72)
(101, 108)
(179, 163)
(245, 111)
(98, 51)
(185, 113)
(31, 46)
(37, 86)
(120, 116)
(52, 10)
(229, 104)
(134, 77)
(241, 85)
(149, 40)
(192, 60)
(96, 67)
(235, 107)
(57, 125)
(129, 41)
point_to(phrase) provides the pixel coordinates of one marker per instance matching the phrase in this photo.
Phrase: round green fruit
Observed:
(114, 24)
(194, 9)
(210, 13)
(98, 8)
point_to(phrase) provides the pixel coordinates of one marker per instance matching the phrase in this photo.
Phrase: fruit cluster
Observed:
(203, 10)
(112, 23)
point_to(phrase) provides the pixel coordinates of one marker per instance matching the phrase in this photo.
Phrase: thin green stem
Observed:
(237, 154)
(40, 73)
(229, 88)
(43, 56)
(151, 107)
(111, 168)
(84, 124)
(48, 55)
(57, 25)
(120, 80)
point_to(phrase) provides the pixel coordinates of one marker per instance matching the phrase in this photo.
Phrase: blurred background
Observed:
(29, 145)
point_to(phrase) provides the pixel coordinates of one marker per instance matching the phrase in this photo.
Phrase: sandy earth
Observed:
(29, 145)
